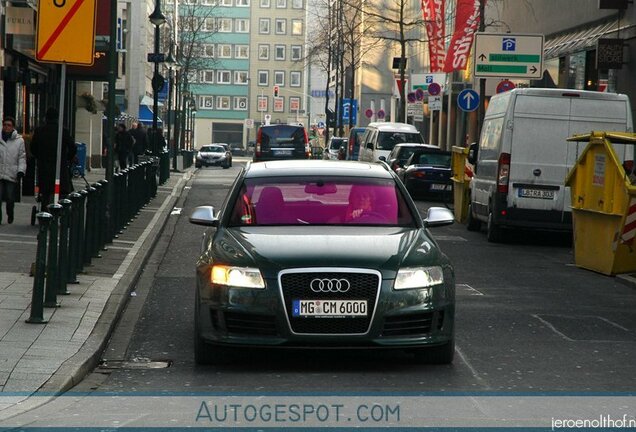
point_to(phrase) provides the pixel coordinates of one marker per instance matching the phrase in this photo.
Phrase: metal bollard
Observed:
(74, 235)
(81, 241)
(114, 210)
(98, 219)
(52, 271)
(89, 225)
(37, 298)
(125, 213)
(63, 265)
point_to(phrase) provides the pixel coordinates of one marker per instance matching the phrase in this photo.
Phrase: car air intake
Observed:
(408, 325)
(250, 324)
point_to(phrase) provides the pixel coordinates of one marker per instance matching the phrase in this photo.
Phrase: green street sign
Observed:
(513, 56)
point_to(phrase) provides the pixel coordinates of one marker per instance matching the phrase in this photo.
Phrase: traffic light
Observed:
(276, 91)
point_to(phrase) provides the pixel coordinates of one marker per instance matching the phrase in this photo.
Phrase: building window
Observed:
(192, 77)
(263, 25)
(265, 3)
(225, 25)
(223, 77)
(279, 104)
(206, 102)
(294, 104)
(263, 52)
(243, 3)
(225, 51)
(280, 52)
(281, 4)
(281, 26)
(208, 50)
(263, 78)
(240, 103)
(297, 4)
(294, 79)
(279, 78)
(225, 2)
(297, 27)
(262, 102)
(207, 76)
(208, 25)
(223, 102)
(210, 2)
(240, 77)
(296, 52)
(242, 51)
(242, 25)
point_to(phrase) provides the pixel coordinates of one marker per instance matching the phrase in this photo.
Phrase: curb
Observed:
(628, 279)
(73, 370)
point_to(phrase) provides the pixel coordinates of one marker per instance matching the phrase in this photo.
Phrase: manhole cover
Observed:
(141, 363)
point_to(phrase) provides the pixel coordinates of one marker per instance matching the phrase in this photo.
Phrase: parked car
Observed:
(333, 148)
(281, 141)
(215, 155)
(519, 171)
(427, 173)
(380, 138)
(401, 153)
(353, 147)
(322, 254)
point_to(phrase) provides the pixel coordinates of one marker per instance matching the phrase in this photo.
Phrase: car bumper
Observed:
(214, 162)
(401, 319)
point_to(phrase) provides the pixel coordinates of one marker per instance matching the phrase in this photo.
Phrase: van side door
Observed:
(484, 182)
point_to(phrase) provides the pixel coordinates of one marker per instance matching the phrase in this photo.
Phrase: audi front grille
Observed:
(329, 284)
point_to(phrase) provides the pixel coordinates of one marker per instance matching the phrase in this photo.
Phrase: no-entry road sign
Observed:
(508, 56)
(66, 31)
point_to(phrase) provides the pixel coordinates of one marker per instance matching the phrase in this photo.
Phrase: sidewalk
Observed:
(55, 356)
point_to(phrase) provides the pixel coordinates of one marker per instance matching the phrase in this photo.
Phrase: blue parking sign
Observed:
(349, 109)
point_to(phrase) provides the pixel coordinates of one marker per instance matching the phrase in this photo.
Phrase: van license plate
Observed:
(282, 152)
(536, 193)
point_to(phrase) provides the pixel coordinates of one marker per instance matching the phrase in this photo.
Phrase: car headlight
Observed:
(243, 277)
(418, 277)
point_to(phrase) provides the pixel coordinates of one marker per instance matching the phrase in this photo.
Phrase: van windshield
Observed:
(388, 140)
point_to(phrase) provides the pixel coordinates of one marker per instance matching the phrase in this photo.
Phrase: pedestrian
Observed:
(12, 165)
(44, 148)
(141, 143)
(162, 145)
(123, 145)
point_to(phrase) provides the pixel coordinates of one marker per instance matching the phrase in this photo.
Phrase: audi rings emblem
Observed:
(330, 285)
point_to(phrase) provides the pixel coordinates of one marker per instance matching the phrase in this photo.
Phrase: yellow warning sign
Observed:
(66, 31)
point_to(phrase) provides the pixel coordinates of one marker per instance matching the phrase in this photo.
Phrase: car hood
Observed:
(272, 249)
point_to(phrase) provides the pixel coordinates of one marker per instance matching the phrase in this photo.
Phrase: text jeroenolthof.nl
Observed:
(602, 421)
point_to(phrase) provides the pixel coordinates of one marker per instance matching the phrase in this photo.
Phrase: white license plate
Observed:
(536, 193)
(436, 186)
(329, 308)
(282, 152)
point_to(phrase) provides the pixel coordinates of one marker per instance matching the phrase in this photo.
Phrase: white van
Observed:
(380, 137)
(522, 157)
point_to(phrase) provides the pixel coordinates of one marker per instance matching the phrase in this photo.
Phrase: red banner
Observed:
(433, 13)
(466, 24)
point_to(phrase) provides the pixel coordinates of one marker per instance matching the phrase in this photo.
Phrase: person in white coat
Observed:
(12, 165)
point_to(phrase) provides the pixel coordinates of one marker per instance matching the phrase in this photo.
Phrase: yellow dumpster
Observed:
(461, 189)
(603, 205)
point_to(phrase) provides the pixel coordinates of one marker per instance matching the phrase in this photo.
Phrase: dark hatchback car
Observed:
(281, 141)
(322, 254)
(428, 173)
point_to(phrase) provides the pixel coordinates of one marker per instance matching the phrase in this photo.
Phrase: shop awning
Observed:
(145, 116)
(577, 40)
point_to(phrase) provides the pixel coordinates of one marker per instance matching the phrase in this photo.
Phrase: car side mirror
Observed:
(382, 158)
(204, 215)
(439, 216)
(472, 153)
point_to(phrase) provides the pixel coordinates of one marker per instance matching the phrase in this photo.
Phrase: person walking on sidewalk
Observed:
(140, 146)
(123, 145)
(44, 148)
(12, 165)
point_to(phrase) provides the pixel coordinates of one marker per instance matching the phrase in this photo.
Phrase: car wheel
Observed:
(472, 224)
(226, 165)
(441, 354)
(494, 233)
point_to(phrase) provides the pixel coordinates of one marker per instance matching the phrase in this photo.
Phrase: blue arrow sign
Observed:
(468, 100)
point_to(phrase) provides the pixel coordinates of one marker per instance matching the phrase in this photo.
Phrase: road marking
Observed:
(467, 287)
(618, 326)
(18, 242)
(449, 238)
(18, 235)
(470, 367)
(551, 327)
(124, 241)
(176, 211)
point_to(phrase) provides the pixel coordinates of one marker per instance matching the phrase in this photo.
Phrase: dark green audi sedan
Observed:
(310, 253)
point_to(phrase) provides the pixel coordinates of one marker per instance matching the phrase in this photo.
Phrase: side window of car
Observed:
(371, 139)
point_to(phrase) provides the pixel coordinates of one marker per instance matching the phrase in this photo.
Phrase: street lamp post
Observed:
(170, 61)
(157, 19)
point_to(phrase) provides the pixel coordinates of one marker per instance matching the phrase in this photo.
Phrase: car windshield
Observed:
(437, 159)
(388, 140)
(320, 201)
(212, 149)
